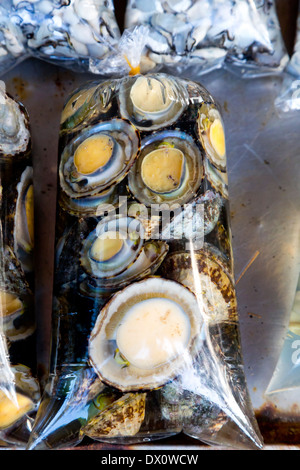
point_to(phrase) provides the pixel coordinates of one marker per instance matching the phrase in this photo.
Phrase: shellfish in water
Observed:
(153, 101)
(116, 253)
(143, 334)
(96, 160)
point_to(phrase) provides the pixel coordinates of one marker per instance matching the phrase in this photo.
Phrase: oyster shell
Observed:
(24, 220)
(212, 135)
(123, 417)
(122, 332)
(115, 253)
(154, 179)
(77, 107)
(86, 104)
(16, 304)
(206, 275)
(153, 101)
(27, 397)
(14, 126)
(95, 161)
(217, 179)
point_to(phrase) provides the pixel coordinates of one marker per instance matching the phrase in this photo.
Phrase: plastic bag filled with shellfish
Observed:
(145, 336)
(244, 36)
(64, 32)
(289, 97)
(19, 390)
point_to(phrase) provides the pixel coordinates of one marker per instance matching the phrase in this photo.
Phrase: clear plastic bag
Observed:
(244, 36)
(63, 32)
(19, 389)
(145, 335)
(286, 375)
(289, 97)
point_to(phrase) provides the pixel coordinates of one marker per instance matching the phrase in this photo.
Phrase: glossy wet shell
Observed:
(19, 323)
(14, 127)
(204, 275)
(128, 145)
(146, 264)
(102, 345)
(27, 396)
(194, 169)
(24, 220)
(217, 179)
(122, 418)
(212, 136)
(142, 257)
(150, 121)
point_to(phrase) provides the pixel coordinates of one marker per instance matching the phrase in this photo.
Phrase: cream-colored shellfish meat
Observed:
(145, 334)
(153, 101)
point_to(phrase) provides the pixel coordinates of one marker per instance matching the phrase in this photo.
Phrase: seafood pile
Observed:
(208, 34)
(145, 325)
(65, 32)
(19, 390)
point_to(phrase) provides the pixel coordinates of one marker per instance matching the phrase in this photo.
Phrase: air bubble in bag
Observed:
(60, 32)
(19, 389)
(145, 335)
(244, 36)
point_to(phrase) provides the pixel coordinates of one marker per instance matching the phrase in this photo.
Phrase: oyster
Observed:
(152, 101)
(115, 253)
(67, 33)
(169, 169)
(205, 275)
(208, 34)
(16, 300)
(76, 108)
(24, 220)
(212, 135)
(14, 126)
(86, 104)
(218, 180)
(96, 161)
(121, 418)
(27, 397)
(144, 334)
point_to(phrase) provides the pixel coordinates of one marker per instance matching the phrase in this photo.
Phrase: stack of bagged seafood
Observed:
(145, 327)
(19, 390)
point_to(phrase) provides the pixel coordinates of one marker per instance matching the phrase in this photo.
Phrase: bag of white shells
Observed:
(19, 389)
(63, 32)
(145, 328)
(289, 96)
(243, 35)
